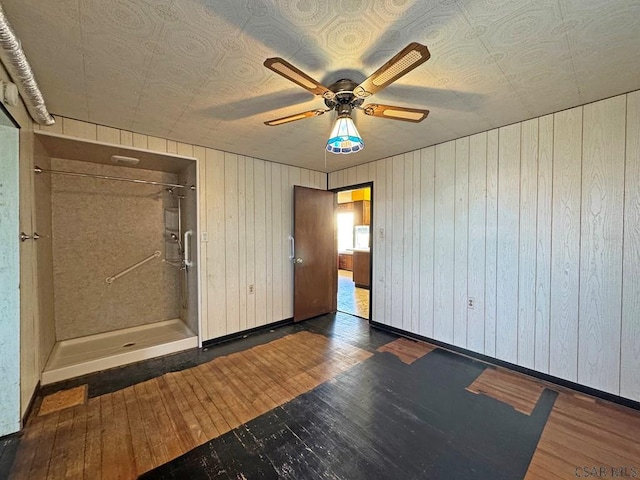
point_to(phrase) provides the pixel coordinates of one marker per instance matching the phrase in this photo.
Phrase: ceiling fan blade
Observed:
(297, 116)
(395, 113)
(407, 59)
(288, 71)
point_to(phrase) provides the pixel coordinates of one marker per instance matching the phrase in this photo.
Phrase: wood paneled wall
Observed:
(249, 205)
(246, 215)
(538, 223)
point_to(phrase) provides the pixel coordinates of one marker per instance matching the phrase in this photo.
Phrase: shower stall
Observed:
(117, 254)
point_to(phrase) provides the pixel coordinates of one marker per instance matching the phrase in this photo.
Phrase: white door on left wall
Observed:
(10, 412)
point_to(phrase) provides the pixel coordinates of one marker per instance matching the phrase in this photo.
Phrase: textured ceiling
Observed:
(191, 70)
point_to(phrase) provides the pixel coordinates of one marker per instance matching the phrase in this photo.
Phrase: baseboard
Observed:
(245, 333)
(517, 368)
(32, 401)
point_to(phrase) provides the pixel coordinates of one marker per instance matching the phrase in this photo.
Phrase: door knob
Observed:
(297, 260)
(24, 237)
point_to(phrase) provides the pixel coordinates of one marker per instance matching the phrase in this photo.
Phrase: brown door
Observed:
(315, 257)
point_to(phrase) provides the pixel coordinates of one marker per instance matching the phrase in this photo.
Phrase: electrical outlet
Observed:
(205, 237)
(251, 289)
(471, 303)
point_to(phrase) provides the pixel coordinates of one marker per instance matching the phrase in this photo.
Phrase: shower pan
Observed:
(117, 283)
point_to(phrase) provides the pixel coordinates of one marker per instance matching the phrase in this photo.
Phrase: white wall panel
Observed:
(508, 237)
(603, 159)
(565, 244)
(415, 247)
(397, 242)
(527, 243)
(379, 242)
(461, 247)
(444, 242)
(543, 243)
(491, 245)
(477, 240)
(407, 243)
(630, 348)
(427, 239)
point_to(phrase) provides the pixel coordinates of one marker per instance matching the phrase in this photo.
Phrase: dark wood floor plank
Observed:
(61, 445)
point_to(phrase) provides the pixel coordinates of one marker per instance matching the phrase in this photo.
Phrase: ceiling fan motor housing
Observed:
(344, 96)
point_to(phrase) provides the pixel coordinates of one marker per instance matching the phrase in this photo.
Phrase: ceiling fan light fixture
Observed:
(344, 137)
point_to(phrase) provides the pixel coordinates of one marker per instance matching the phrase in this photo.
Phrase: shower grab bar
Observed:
(133, 267)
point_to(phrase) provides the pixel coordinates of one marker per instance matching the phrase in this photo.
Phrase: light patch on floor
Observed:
(407, 350)
(516, 390)
(63, 399)
(351, 299)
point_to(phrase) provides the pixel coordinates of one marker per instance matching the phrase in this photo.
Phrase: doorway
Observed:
(353, 220)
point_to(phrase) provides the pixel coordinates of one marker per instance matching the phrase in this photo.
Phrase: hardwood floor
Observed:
(326, 398)
(516, 390)
(130, 431)
(352, 299)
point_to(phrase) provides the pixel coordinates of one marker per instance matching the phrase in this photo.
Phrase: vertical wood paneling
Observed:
(407, 243)
(158, 144)
(477, 226)
(243, 266)
(362, 173)
(461, 246)
(76, 128)
(200, 154)
(231, 250)
(260, 232)
(527, 240)
(276, 237)
(543, 242)
(380, 199)
(352, 176)
(140, 141)
(108, 134)
(415, 262)
(565, 244)
(491, 245)
(388, 234)
(427, 239)
(603, 159)
(216, 260)
(630, 348)
(397, 243)
(185, 149)
(269, 240)
(444, 244)
(126, 138)
(290, 178)
(508, 228)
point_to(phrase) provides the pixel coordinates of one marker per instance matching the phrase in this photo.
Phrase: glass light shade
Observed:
(345, 137)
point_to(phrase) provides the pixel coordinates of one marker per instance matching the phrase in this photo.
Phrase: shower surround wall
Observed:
(101, 227)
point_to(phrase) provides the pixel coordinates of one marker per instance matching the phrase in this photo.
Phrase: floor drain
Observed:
(128, 344)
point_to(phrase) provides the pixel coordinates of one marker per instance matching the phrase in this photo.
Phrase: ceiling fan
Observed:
(345, 95)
